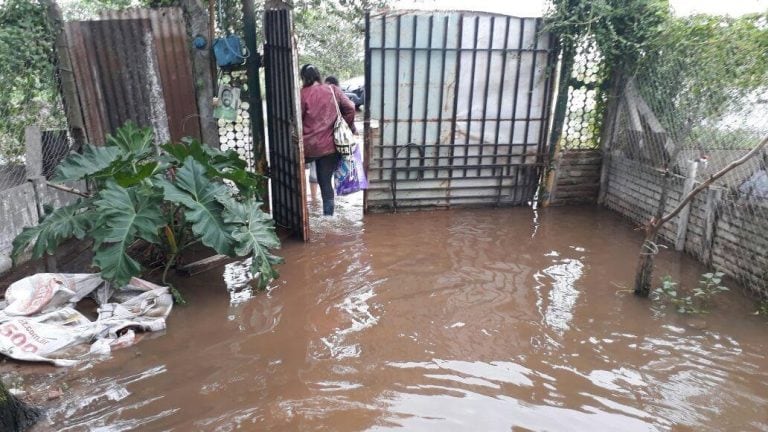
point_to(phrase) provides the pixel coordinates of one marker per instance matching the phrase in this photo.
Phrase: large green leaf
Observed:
(197, 193)
(254, 235)
(136, 175)
(227, 165)
(61, 224)
(123, 158)
(132, 139)
(206, 155)
(125, 214)
(93, 162)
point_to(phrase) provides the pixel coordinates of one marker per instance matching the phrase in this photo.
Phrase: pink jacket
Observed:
(318, 116)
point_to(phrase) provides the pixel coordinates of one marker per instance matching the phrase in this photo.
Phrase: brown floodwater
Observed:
(466, 320)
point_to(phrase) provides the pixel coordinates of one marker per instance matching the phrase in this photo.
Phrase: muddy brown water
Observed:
(471, 320)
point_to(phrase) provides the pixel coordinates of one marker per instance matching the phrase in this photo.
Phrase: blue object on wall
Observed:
(199, 42)
(228, 51)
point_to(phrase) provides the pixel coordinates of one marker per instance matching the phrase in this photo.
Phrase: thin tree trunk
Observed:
(15, 415)
(644, 275)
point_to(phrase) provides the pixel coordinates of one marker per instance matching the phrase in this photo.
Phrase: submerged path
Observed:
(476, 320)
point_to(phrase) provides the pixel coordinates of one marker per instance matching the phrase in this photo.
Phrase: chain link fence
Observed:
(692, 120)
(30, 95)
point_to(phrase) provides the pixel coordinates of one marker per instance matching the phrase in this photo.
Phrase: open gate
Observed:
(286, 153)
(457, 108)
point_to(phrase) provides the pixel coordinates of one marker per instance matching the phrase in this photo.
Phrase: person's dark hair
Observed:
(330, 79)
(309, 75)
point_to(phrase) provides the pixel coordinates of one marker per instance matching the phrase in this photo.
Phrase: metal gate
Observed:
(286, 153)
(457, 108)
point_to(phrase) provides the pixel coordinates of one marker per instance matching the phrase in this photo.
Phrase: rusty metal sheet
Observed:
(172, 48)
(117, 76)
(134, 65)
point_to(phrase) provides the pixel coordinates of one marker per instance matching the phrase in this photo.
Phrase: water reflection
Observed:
(437, 321)
(561, 278)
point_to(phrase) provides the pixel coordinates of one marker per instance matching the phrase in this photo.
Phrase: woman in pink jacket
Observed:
(318, 114)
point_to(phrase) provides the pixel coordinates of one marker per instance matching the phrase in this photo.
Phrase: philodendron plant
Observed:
(158, 200)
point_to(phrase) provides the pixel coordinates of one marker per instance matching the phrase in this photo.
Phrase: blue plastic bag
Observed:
(349, 175)
(228, 51)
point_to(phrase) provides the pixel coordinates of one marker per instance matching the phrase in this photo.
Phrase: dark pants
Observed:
(325, 167)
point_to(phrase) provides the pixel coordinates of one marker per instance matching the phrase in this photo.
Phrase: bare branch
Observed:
(688, 198)
(68, 189)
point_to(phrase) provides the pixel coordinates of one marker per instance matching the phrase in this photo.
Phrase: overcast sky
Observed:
(536, 7)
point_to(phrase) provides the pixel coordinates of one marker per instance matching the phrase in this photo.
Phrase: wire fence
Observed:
(30, 95)
(673, 117)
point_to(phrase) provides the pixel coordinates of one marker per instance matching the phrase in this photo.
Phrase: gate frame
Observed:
(527, 176)
(286, 147)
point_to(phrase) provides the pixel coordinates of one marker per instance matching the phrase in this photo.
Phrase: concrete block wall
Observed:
(735, 243)
(741, 244)
(18, 208)
(577, 177)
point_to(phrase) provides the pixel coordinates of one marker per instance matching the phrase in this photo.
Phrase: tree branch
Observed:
(67, 189)
(688, 198)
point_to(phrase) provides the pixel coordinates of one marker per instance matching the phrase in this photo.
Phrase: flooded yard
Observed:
(472, 320)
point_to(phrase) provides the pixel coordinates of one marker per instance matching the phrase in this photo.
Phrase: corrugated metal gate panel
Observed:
(117, 76)
(286, 154)
(130, 64)
(173, 59)
(462, 103)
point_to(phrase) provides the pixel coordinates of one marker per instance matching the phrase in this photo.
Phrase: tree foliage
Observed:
(703, 67)
(29, 95)
(331, 34)
(623, 29)
(188, 193)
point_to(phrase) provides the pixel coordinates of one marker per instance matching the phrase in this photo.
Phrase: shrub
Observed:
(160, 199)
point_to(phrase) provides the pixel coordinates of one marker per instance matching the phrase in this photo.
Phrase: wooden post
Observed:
(713, 199)
(197, 20)
(607, 135)
(682, 218)
(558, 119)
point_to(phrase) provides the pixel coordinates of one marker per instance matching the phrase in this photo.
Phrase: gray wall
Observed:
(21, 204)
(729, 235)
(19, 208)
(576, 178)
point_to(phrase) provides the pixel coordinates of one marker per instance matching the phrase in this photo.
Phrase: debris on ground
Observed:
(39, 322)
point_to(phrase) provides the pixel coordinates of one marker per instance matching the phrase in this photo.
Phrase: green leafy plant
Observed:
(709, 286)
(698, 300)
(762, 308)
(668, 293)
(29, 95)
(156, 204)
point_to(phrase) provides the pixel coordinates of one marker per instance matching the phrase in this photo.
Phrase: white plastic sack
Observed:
(40, 324)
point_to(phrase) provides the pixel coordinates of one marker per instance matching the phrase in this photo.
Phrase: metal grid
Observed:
(461, 101)
(582, 124)
(286, 156)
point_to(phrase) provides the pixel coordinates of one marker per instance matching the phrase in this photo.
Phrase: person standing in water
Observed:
(318, 115)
